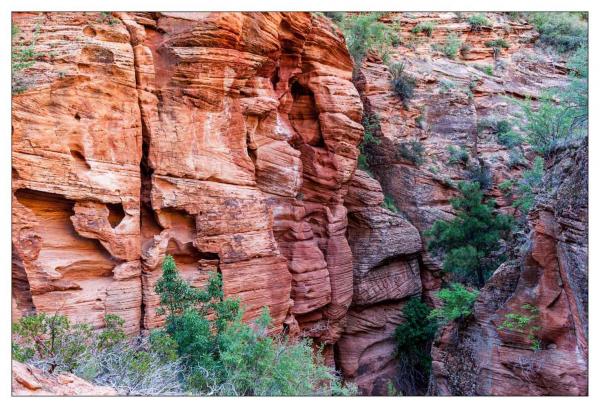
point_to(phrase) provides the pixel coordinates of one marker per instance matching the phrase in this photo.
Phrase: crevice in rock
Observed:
(116, 213)
(80, 162)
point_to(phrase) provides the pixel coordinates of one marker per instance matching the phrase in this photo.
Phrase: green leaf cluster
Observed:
(457, 303)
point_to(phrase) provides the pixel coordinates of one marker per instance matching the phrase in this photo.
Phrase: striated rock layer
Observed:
(386, 273)
(457, 102)
(483, 358)
(225, 139)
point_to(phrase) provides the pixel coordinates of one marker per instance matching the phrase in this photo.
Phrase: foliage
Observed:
(412, 151)
(226, 356)
(487, 69)
(51, 342)
(481, 174)
(403, 84)
(564, 31)
(144, 366)
(370, 124)
(388, 204)
(451, 46)
(364, 33)
(413, 338)
(478, 21)
(106, 17)
(527, 186)
(22, 57)
(497, 43)
(554, 123)
(506, 135)
(335, 16)
(524, 323)
(458, 156)
(457, 303)
(516, 158)
(205, 348)
(424, 27)
(469, 239)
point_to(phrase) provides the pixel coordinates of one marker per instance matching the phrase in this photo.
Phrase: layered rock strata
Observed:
(224, 139)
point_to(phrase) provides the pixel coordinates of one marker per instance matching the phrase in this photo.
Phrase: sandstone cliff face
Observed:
(225, 139)
(482, 357)
(229, 140)
(386, 273)
(452, 101)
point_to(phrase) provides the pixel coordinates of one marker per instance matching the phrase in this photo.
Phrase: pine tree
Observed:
(469, 240)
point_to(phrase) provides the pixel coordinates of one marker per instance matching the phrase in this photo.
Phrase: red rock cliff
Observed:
(484, 358)
(226, 139)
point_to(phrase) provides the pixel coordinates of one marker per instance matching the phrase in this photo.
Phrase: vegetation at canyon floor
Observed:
(204, 349)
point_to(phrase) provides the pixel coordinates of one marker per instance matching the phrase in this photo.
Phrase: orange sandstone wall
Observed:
(225, 139)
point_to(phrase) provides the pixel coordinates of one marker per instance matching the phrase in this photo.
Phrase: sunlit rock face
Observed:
(225, 139)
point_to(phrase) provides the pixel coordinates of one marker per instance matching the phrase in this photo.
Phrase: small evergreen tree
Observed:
(414, 337)
(469, 239)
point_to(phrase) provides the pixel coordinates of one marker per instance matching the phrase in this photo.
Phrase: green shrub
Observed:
(51, 342)
(451, 46)
(457, 156)
(364, 33)
(478, 21)
(23, 56)
(561, 114)
(446, 85)
(457, 303)
(106, 17)
(424, 27)
(487, 69)
(403, 84)
(371, 125)
(481, 174)
(388, 204)
(524, 323)
(497, 43)
(413, 151)
(469, 240)
(565, 31)
(413, 338)
(516, 158)
(506, 135)
(335, 16)
(528, 185)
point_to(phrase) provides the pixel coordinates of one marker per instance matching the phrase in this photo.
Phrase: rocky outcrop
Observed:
(28, 381)
(225, 139)
(548, 356)
(386, 272)
(456, 103)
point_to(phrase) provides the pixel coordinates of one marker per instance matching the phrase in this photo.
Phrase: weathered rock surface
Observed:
(456, 104)
(28, 381)
(386, 272)
(224, 139)
(481, 357)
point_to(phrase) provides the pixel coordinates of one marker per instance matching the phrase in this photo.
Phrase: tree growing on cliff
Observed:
(226, 356)
(469, 241)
